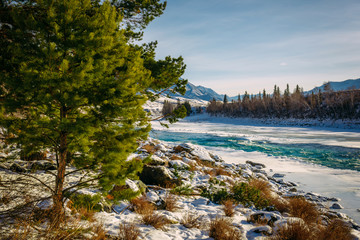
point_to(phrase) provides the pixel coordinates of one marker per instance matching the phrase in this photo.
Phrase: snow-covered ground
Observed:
(155, 107)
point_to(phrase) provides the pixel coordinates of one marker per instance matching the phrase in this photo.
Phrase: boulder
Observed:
(264, 230)
(182, 148)
(158, 175)
(271, 217)
(336, 206)
(155, 160)
(42, 165)
(178, 164)
(17, 168)
(285, 221)
(257, 165)
(278, 175)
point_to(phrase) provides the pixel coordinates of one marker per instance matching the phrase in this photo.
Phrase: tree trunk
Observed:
(57, 215)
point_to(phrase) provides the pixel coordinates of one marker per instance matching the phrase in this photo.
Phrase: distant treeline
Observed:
(320, 105)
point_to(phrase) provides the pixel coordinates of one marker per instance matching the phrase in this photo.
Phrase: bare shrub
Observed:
(128, 231)
(170, 202)
(293, 231)
(156, 220)
(142, 206)
(336, 229)
(222, 229)
(229, 208)
(301, 208)
(191, 221)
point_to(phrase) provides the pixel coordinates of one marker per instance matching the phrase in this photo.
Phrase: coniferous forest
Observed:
(328, 104)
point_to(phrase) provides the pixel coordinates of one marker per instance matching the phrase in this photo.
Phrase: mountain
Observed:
(338, 86)
(200, 93)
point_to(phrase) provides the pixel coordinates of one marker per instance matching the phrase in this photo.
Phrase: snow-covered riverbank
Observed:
(205, 178)
(285, 149)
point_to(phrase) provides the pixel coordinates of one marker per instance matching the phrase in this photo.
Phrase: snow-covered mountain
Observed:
(200, 93)
(338, 86)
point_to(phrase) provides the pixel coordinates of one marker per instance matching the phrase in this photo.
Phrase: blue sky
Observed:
(237, 45)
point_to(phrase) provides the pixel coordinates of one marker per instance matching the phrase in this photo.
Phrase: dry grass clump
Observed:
(222, 229)
(99, 232)
(222, 171)
(335, 230)
(128, 231)
(259, 220)
(150, 148)
(86, 214)
(142, 206)
(262, 185)
(191, 221)
(229, 208)
(193, 167)
(175, 157)
(301, 208)
(293, 231)
(209, 171)
(156, 220)
(170, 202)
(280, 204)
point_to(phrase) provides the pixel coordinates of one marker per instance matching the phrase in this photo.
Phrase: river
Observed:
(321, 160)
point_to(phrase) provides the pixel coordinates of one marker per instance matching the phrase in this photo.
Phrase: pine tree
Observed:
(71, 82)
(225, 99)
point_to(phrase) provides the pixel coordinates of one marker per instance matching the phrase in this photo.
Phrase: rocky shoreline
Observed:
(201, 184)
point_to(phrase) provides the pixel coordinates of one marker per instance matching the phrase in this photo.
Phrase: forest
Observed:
(327, 104)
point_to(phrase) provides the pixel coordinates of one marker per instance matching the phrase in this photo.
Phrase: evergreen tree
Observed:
(225, 99)
(72, 82)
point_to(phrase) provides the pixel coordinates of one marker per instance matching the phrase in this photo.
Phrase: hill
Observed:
(339, 86)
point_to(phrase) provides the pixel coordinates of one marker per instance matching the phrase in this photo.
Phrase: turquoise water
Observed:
(338, 157)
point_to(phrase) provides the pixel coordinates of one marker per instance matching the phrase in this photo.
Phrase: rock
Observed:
(293, 190)
(358, 209)
(132, 185)
(271, 217)
(182, 148)
(152, 196)
(129, 189)
(216, 158)
(264, 230)
(179, 164)
(158, 175)
(285, 221)
(42, 165)
(155, 160)
(17, 168)
(262, 176)
(278, 175)
(333, 199)
(254, 164)
(142, 186)
(336, 206)
(293, 184)
(189, 161)
(161, 147)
